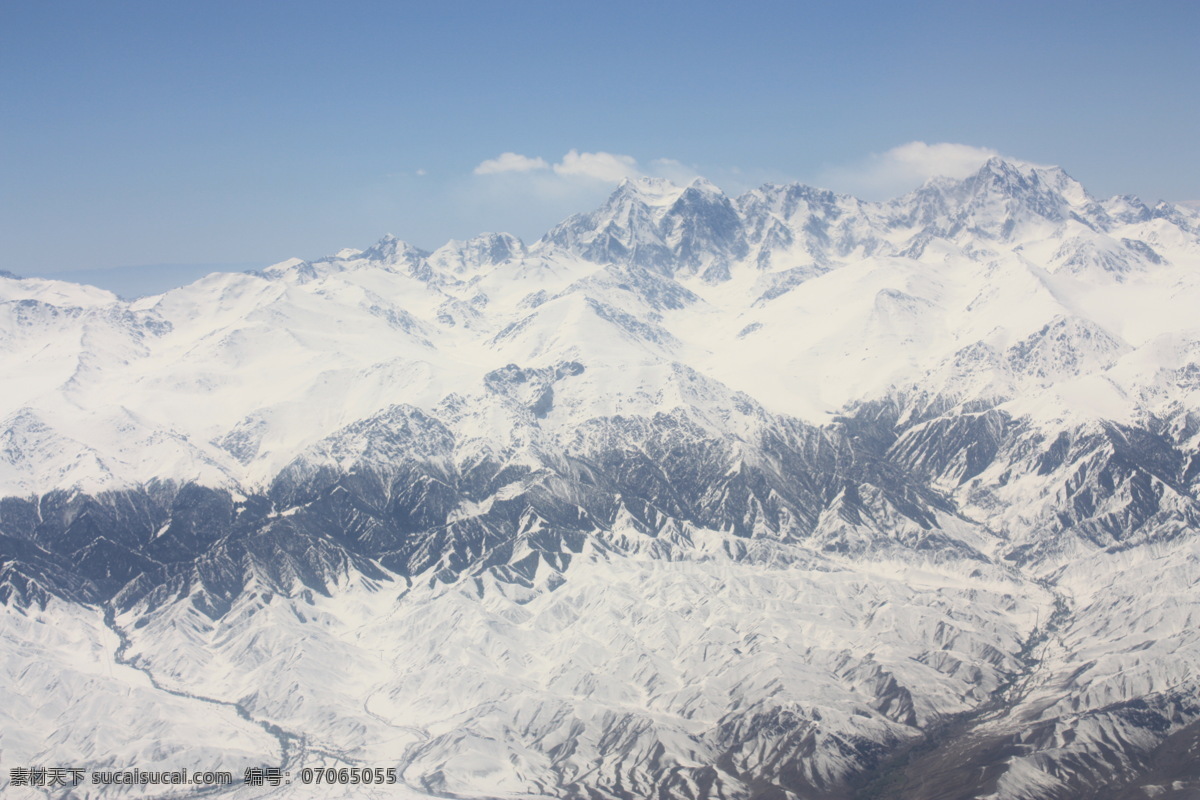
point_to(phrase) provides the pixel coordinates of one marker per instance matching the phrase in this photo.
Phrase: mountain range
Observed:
(788, 495)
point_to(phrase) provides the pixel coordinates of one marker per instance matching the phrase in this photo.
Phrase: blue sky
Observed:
(137, 133)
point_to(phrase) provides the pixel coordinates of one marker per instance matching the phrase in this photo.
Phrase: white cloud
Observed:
(605, 167)
(510, 162)
(577, 171)
(883, 175)
(924, 161)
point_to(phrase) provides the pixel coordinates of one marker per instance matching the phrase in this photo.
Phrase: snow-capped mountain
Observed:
(788, 495)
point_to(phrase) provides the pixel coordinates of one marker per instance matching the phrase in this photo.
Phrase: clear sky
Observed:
(247, 132)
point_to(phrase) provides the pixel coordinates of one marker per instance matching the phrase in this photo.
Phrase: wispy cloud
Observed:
(601, 166)
(887, 174)
(587, 168)
(510, 162)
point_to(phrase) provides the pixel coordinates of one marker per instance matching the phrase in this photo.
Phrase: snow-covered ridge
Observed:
(805, 300)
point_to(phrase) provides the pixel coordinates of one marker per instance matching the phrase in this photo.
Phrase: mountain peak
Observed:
(704, 185)
(1000, 173)
(485, 249)
(649, 191)
(392, 250)
(1011, 176)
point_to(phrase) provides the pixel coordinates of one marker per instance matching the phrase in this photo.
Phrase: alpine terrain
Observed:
(783, 496)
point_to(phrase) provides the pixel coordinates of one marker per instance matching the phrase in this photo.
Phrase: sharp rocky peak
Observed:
(392, 250)
(484, 250)
(646, 190)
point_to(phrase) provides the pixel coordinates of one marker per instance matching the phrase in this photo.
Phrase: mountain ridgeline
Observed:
(787, 496)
